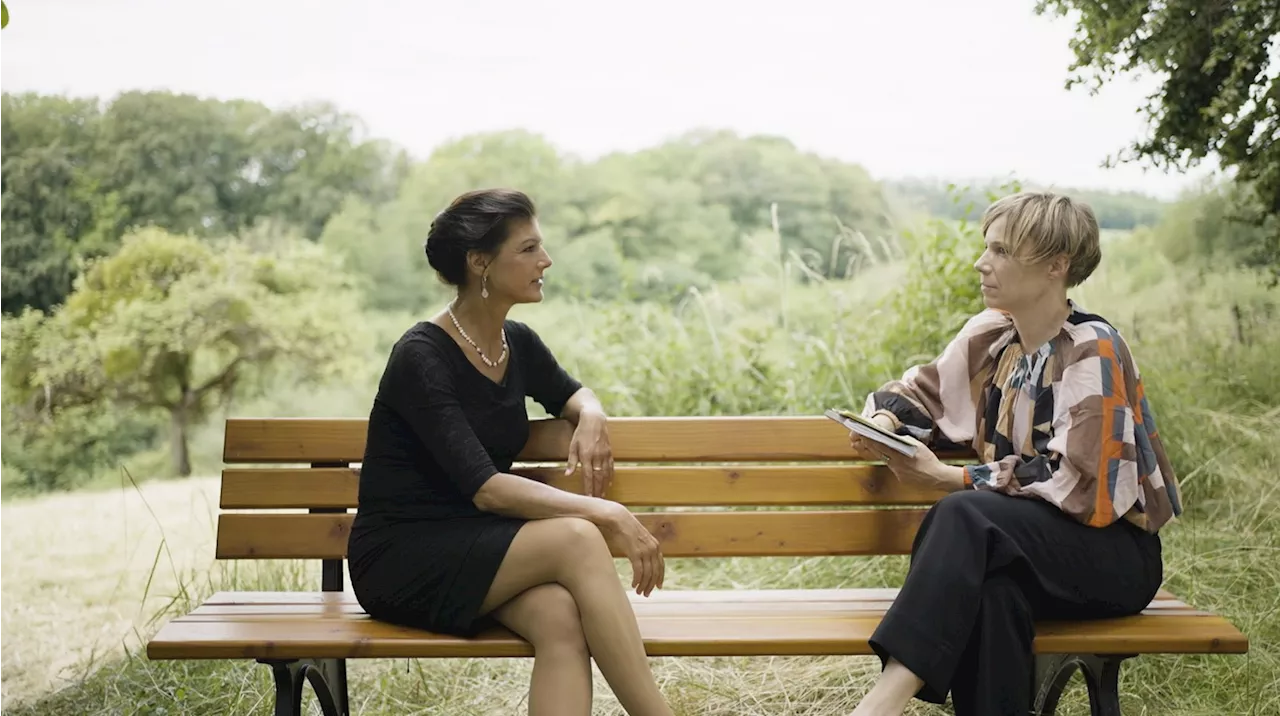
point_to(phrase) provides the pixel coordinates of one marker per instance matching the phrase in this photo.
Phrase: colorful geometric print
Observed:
(1069, 423)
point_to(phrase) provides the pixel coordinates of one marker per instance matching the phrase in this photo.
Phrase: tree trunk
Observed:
(178, 439)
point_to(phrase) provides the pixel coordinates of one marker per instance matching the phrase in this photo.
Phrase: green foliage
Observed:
(814, 196)
(66, 451)
(941, 290)
(177, 324)
(940, 293)
(1220, 92)
(43, 450)
(1211, 227)
(78, 174)
(645, 226)
(383, 243)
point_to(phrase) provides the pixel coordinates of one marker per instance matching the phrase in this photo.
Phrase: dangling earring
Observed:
(484, 286)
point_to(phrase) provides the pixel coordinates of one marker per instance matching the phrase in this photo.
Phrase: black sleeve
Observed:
(906, 411)
(545, 380)
(420, 387)
(915, 422)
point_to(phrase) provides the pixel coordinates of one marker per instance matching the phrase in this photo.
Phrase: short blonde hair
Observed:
(1040, 225)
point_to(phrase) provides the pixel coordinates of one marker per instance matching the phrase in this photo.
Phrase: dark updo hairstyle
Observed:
(476, 221)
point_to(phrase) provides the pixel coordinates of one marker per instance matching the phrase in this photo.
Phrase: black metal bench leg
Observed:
(291, 675)
(335, 677)
(1101, 675)
(288, 687)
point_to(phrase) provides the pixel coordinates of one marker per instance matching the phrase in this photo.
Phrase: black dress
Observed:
(420, 552)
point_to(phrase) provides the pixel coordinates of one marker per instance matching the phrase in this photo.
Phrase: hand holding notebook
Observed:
(871, 431)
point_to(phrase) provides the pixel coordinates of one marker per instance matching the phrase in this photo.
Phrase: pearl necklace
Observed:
(483, 357)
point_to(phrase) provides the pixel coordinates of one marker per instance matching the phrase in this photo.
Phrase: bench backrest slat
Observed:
(675, 439)
(683, 534)
(638, 486)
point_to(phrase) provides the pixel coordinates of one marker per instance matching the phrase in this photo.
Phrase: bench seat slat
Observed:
(673, 623)
(682, 534)
(648, 486)
(711, 596)
(697, 632)
(215, 612)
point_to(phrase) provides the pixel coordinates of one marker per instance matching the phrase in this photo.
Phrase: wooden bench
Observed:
(707, 464)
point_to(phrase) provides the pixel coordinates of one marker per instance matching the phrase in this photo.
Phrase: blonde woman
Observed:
(1060, 520)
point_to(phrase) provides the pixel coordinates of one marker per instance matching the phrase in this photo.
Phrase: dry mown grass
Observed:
(76, 567)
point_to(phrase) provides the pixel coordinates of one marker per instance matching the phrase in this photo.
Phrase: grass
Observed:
(1206, 345)
(76, 569)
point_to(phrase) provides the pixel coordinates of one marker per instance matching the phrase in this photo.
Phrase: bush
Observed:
(68, 451)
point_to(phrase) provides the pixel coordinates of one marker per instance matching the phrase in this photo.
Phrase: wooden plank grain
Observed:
(281, 488)
(701, 635)
(700, 439)
(633, 439)
(637, 486)
(682, 534)
(706, 485)
(294, 440)
(648, 608)
(712, 596)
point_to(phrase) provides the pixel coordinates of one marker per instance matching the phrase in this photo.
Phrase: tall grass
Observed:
(770, 346)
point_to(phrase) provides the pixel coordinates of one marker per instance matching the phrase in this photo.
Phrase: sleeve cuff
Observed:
(982, 477)
(897, 424)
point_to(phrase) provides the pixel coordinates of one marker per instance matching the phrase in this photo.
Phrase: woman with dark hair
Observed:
(444, 536)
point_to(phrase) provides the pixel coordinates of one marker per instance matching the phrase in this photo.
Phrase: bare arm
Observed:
(516, 496)
(590, 448)
(582, 404)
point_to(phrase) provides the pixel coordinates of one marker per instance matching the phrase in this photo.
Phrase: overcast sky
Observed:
(904, 87)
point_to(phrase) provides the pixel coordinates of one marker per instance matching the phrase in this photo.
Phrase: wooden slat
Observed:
(656, 486)
(700, 635)
(715, 596)
(749, 485)
(297, 612)
(682, 534)
(646, 607)
(279, 488)
(647, 439)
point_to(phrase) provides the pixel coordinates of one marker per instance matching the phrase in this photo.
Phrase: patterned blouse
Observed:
(1068, 424)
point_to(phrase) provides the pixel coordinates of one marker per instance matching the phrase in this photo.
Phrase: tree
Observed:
(79, 173)
(177, 324)
(384, 243)
(1220, 91)
(815, 196)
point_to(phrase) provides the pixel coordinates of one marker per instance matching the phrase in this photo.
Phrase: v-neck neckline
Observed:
(511, 351)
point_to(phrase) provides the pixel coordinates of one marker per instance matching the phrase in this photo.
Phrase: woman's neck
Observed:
(482, 319)
(1041, 322)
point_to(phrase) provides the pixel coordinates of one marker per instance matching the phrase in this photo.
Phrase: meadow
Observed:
(88, 575)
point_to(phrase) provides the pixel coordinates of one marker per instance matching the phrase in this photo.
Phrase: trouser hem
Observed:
(924, 655)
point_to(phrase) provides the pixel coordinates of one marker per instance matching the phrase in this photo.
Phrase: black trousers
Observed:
(984, 567)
